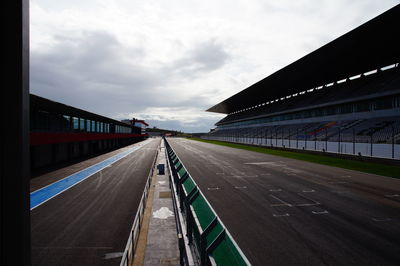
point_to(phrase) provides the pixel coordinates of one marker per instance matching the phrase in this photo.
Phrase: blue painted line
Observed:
(44, 194)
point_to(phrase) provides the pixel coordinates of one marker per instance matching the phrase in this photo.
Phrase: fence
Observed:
(379, 150)
(211, 242)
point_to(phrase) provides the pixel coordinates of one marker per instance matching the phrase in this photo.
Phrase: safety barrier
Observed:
(127, 257)
(210, 240)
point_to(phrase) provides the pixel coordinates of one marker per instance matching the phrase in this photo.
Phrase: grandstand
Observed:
(342, 98)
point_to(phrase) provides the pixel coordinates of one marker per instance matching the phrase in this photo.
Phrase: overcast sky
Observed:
(167, 61)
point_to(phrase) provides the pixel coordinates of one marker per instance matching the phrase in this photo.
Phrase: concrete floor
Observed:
(162, 240)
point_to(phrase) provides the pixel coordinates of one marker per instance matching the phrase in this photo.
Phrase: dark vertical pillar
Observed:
(372, 141)
(326, 139)
(14, 147)
(265, 135)
(354, 141)
(392, 141)
(305, 139)
(315, 141)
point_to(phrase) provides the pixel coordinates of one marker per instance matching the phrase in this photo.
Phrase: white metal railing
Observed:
(129, 252)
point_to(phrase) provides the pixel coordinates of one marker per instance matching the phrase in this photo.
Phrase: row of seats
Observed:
(377, 130)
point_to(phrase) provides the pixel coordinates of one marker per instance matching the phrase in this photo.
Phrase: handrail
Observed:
(185, 256)
(130, 247)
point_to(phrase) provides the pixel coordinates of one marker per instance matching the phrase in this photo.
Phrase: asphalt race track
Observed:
(89, 223)
(288, 212)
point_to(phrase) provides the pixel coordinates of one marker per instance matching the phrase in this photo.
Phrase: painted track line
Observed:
(40, 196)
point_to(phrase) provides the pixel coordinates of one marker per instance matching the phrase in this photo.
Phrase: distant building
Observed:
(60, 133)
(136, 123)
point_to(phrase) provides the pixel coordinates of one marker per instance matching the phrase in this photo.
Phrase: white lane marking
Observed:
(291, 174)
(213, 188)
(259, 163)
(44, 194)
(280, 200)
(381, 219)
(307, 204)
(281, 215)
(163, 213)
(113, 255)
(241, 176)
(275, 190)
(242, 187)
(238, 173)
(340, 191)
(308, 191)
(323, 212)
(314, 203)
(161, 182)
(392, 196)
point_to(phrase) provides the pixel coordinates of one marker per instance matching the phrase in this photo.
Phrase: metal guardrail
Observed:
(127, 257)
(211, 242)
(184, 250)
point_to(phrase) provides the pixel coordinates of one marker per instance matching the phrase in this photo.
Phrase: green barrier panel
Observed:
(178, 164)
(214, 233)
(224, 251)
(203, 212)
(182, 172)
(189, 185)
(227, 254)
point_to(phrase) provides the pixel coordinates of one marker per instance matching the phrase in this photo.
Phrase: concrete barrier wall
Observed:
(378, 150)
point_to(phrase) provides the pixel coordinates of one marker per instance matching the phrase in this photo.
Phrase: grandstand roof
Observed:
(372, 45)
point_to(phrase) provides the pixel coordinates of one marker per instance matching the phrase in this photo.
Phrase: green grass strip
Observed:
(367, 167)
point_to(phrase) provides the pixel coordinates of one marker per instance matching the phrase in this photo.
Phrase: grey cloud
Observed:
(201, 125)
(205, 57)
(92, 70)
